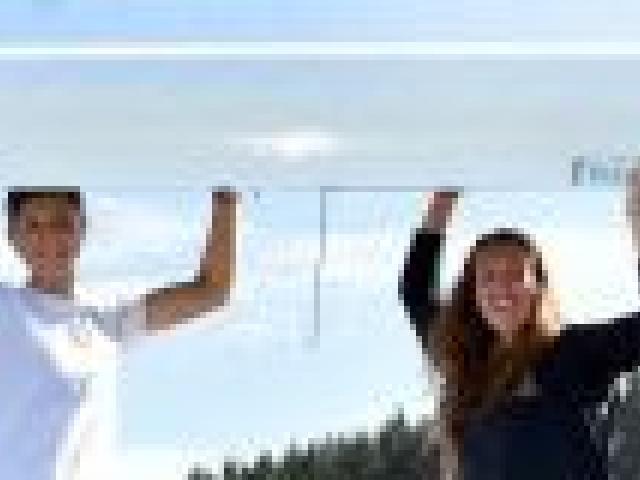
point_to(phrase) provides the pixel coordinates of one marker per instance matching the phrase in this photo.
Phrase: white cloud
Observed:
(292, 145)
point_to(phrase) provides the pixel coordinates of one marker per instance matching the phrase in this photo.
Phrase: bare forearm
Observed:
(217, 265)
(171, 306)
(213, 280)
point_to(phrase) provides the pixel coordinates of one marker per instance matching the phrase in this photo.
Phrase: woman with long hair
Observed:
(519, 393)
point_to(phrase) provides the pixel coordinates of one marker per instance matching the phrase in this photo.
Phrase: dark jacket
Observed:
(547, 433)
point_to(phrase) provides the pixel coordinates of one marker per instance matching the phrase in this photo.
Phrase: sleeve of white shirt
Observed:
(122, 324)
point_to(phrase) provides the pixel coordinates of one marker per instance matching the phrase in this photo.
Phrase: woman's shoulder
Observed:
(574, 337)
(599, 333)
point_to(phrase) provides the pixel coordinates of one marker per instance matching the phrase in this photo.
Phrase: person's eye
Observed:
(63, 225)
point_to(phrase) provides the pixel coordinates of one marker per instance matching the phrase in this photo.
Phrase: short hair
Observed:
(17, 197)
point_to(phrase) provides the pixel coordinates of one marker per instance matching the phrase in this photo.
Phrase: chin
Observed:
(501, 318)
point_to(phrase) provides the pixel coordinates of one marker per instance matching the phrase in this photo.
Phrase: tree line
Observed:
(403, 451)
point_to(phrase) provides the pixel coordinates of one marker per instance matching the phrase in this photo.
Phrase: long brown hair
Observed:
(478, 369)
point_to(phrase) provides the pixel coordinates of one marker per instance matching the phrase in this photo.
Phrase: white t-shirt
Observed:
(53, 354)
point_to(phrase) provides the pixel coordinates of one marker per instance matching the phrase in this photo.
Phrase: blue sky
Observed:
(257, 382)
(287, 20)
(145, 140)
(249, 378)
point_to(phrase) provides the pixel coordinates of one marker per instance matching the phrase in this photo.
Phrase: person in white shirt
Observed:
(47, 341)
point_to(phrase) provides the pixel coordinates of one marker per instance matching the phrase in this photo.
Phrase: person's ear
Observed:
(11, 232)
(14, 240)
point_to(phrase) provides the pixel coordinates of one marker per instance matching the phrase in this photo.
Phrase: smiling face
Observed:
(47, 231)
(506, 288)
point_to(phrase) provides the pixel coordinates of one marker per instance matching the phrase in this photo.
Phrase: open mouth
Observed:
(503, 304)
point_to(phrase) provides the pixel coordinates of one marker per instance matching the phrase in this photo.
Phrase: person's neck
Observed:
(61, 288)
(507, 338)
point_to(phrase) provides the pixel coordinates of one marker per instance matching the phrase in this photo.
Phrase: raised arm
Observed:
(615, 345)
(212, 282)
(419, 281)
